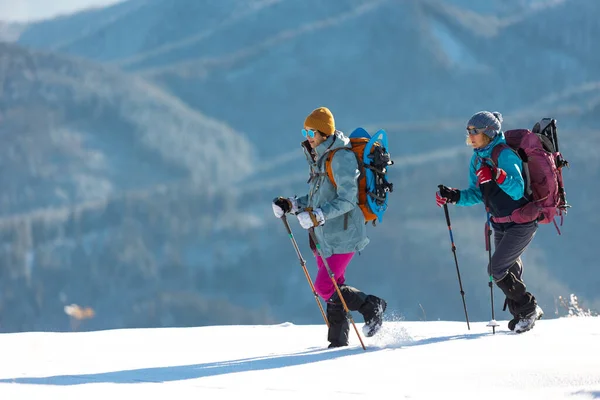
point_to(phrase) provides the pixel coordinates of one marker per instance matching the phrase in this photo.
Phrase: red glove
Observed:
(447, 195)
(439, 200)
(500, 175)
(485, 174)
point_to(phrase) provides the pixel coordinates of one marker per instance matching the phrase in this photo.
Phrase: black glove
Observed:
(282, 205)
(449, 194)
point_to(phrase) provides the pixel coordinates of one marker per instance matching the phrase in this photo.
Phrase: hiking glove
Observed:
(447, 195)
(283, 205)
(485, 174)
(311, 218)
(500, 175)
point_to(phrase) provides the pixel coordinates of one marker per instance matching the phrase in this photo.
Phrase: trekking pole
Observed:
(303, 263)
(462, 292)
(488, 247)
(337, 288)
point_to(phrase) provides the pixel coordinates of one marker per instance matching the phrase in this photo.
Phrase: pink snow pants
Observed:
(337, 263)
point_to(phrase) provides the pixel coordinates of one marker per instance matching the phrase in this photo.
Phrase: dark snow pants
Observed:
(510, 241)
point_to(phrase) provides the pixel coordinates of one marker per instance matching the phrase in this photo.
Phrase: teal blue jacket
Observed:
(344, 230)
(509, 161)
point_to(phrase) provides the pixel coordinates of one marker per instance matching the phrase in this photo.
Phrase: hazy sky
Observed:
(25, 10)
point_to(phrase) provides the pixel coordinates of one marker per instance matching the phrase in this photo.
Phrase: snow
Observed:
(558, 359)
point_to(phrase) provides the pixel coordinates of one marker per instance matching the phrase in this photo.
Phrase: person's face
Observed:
(316, 138)
(477, 138)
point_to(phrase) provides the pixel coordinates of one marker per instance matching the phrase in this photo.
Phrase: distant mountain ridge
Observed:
(10, 31)
(77, 126)
(369, 61)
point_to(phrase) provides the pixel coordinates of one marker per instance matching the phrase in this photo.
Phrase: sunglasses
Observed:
(310, 133)
(475, 131)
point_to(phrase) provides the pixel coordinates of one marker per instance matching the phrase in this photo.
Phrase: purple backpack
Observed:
(542, 171)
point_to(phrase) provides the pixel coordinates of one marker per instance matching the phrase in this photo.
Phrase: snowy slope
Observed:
(559, 359)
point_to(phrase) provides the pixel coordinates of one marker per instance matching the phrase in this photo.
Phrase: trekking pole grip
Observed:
(445, 207)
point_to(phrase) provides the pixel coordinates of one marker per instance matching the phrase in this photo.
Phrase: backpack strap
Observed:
(502, 220)
(329, 172)
(525, 170)
(328, 168)
(494, 164)
(496, 152)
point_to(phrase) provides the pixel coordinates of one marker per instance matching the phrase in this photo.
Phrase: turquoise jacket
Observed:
(344, 230)
(509, 161)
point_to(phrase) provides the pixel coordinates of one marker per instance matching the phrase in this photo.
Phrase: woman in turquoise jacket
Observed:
(501, 188)
(338, 223)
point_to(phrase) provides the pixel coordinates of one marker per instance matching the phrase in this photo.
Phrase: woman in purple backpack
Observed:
(501, 188)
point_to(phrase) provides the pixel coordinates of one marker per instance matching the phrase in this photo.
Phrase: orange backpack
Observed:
(372, 181)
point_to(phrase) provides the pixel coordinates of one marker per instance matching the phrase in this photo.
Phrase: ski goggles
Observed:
(475, 131)
(309, 133)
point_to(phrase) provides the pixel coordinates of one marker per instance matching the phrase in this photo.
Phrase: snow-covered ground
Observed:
(559, 359)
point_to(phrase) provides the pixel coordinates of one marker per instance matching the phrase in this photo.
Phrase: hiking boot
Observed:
(374, 318)
(371, 308)
(521, 304)
(512, 323)
(526, 323)
(339, 328)
(336, 344)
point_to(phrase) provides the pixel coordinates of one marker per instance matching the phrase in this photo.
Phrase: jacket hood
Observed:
(335, 141)
(486, 152)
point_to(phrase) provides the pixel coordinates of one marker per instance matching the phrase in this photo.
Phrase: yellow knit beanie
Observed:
(322, 120)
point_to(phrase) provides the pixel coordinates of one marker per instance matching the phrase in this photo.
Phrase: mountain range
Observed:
(182, 117)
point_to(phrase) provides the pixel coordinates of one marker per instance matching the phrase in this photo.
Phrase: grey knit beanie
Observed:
(485, 119)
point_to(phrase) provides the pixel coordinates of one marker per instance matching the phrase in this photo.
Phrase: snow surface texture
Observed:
(558, 359)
